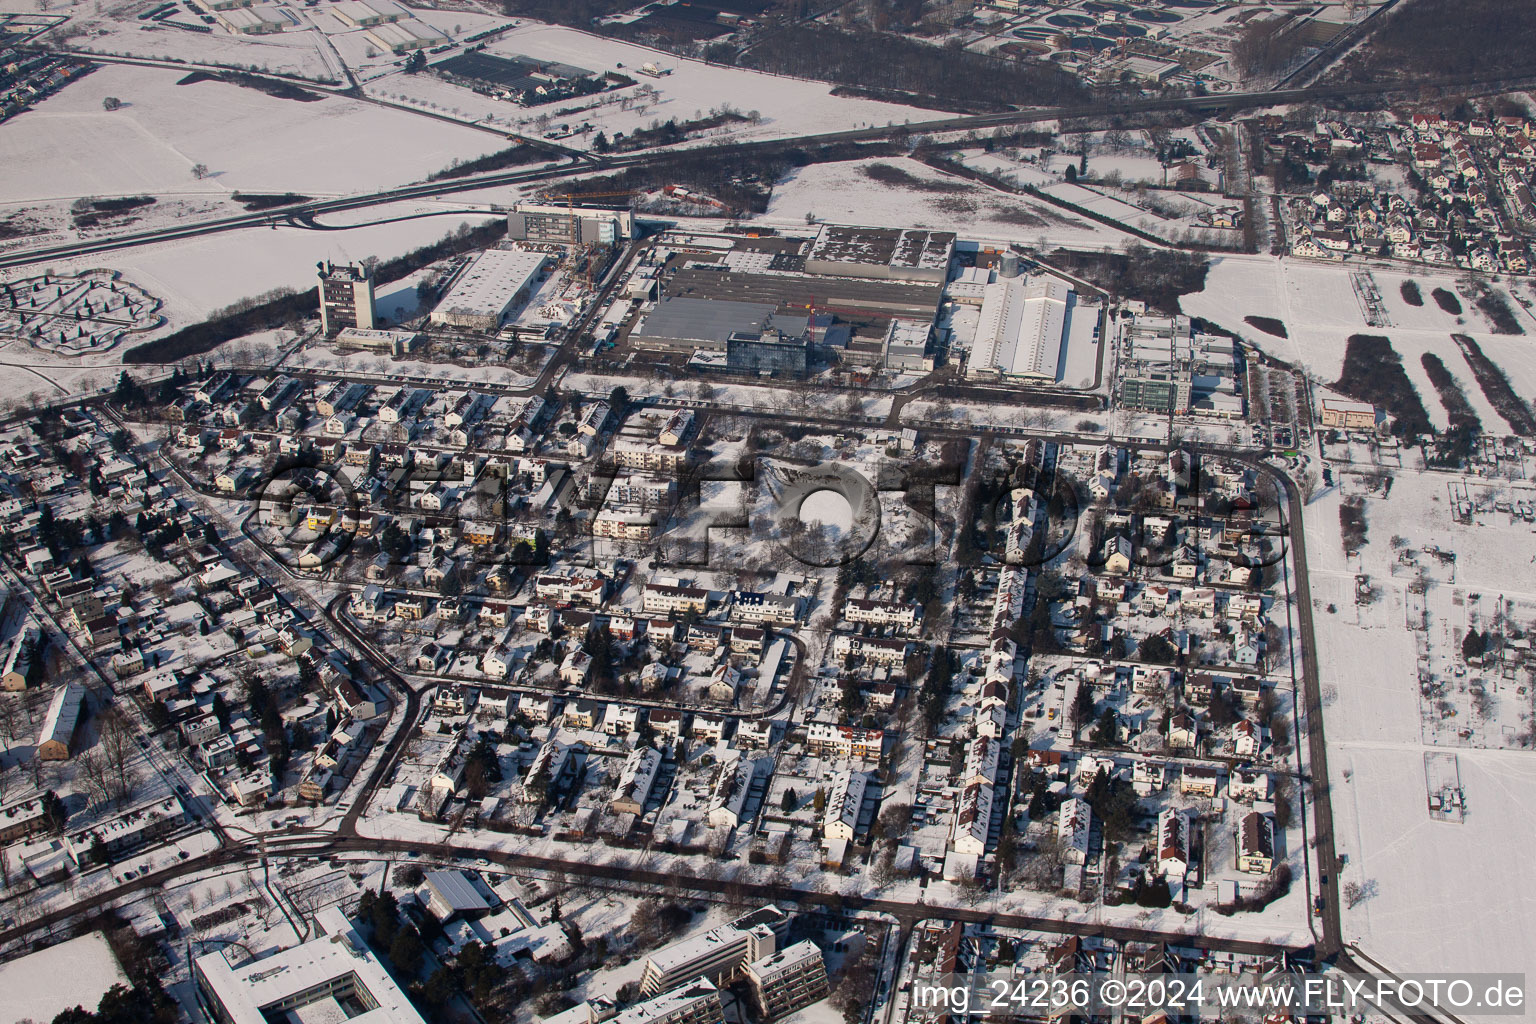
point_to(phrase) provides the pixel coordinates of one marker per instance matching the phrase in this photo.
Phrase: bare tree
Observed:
(9, 714)
(92, 772)
(118, 749)
(1042, 871)
(1356, 893)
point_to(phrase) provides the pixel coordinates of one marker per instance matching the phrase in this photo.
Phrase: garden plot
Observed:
(1407, 863)
(1475, 669)
(1320, 308)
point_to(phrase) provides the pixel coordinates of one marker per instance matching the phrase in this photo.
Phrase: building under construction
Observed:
(569, 225)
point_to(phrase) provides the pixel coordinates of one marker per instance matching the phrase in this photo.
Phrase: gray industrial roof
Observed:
(704, 320)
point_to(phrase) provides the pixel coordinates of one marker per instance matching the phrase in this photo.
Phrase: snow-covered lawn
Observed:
(52, 980)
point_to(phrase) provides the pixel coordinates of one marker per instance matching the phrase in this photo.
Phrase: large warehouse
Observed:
(495, 284)
(404, 35)
(1024, 329)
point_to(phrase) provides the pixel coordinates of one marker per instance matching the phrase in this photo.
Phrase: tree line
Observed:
(879, 61)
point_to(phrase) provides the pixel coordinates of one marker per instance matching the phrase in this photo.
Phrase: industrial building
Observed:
(346, 297)
(890, 253)
(772, 352)
(906, 346)
(251, 21)
(1025, 326)
(1166, 367)
(406, 34)
(680, 324)
(496, 283)
(368, 13)
(569, 225)
(332, 977)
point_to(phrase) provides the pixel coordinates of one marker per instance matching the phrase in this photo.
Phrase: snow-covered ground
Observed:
(197, 276)
(365, 365)
(844, 193)
(248, 140)
(52, 980)
(1468, 878)
(721, 393)
(1318, 305)
(1285, 921)
(787, 106)
(284, 53)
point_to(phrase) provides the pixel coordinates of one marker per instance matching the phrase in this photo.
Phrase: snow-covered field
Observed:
(1318, 306)
(285, 53)
(843, 193)
(787, 106)
(197, 276)
(1469, 879)
(247, 139)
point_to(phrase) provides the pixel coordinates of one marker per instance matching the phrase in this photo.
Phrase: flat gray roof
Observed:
(704, 320)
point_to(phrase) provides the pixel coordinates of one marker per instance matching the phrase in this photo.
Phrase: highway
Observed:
(1211, 104)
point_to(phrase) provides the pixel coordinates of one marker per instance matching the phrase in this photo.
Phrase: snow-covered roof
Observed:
(323, 966)
(32, 983)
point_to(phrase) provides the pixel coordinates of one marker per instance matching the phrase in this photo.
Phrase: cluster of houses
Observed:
(26, 78)
(1473, 209)
(1172, 546)
(178, 622)
(481, 471)
(945, 952)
